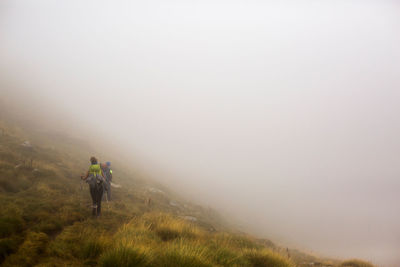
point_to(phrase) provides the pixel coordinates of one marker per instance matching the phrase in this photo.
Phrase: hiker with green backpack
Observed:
(95, 178)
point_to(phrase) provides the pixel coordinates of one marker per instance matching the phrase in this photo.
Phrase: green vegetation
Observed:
(355, 263)
(158, 239)
(45, 217)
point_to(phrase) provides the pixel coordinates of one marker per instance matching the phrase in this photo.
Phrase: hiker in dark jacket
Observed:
(95, 178)
(106, 168)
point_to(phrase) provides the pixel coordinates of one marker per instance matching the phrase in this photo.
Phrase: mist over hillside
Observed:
(45, 219)
(281, 116)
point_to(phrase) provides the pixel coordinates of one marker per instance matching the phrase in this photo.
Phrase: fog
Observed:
(284, 115)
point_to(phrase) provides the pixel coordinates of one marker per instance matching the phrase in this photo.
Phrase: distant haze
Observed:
(284, 114)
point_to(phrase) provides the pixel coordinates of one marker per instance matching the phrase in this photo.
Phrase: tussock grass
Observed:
(175, 242)
(266, 258)
(137, 234)
(30, 251)
(125, 255)
(80, 241)
(355, 263)
(183, 254)
(94, 246)
(8, 246)
(238, 241)
(169, 228)
(45, 220)
(10, 226)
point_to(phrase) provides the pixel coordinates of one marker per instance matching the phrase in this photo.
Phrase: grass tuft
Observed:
(355, 263)
(183, 253)
(266, 258)
(124, 256)
(30, 251)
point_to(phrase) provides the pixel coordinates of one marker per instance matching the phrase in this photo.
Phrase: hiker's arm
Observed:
(110, 175)
(84, 177)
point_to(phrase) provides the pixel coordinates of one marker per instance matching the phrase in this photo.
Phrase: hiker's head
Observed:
(108, 163)
(93, 160)
(103, 165)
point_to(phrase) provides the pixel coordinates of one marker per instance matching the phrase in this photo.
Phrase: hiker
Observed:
(95, 178)
(106, 168)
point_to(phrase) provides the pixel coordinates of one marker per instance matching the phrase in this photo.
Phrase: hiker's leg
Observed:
(93, 194)
(94, 199)
(99, 197)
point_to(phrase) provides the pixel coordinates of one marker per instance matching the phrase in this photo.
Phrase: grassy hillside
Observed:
(45, 217)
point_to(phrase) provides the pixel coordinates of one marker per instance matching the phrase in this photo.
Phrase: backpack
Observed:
(95, 176)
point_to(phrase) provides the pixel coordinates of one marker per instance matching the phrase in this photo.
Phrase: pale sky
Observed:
(283, 114)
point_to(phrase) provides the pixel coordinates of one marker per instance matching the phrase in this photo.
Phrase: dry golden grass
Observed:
(45, 220)
(158, 239)
(355, 263)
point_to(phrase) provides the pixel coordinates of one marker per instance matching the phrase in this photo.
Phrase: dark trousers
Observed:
(96, 192)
